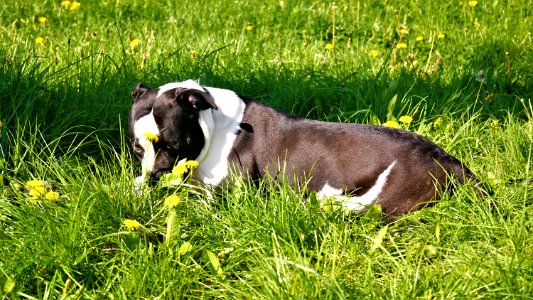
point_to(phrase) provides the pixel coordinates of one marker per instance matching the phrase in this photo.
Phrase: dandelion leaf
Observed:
(212, 262)
(390, 107)
(378, 239)
(171, 179)
(185, 248)
(172, 225)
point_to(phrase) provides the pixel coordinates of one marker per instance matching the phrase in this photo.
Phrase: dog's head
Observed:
(163, 126)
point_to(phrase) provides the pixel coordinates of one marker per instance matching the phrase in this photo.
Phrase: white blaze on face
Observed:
(142, 128)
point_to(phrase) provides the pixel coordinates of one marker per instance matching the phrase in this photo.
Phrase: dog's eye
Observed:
(138, 150)
(166, 146)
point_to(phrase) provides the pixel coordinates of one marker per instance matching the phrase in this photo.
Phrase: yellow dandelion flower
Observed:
(194, 53)
(52, 196)
(330, 46)
(404, 31)
(179, 169)
(39, 40)
(401, 46)
(36, 192)
(36, 188)
(65, 3)
(406, 119)
(152, 137)
(249, 27)
(438, 122)
(392, 124)
(472, 3)
(35, 183)
(42, 19)
(172, 201)
(131, 225)
(374, 53)
(74, 5)
(419, 38)
(192, 164)
(134, 43)
(441, 36)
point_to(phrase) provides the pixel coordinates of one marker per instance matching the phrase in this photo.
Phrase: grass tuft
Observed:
(461, 72)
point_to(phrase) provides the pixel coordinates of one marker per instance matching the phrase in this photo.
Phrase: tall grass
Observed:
(64, 102)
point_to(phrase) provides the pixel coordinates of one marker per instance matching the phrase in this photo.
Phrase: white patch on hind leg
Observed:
(358, 202)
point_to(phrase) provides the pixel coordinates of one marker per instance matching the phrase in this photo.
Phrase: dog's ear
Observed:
(139, 90)
(194, 100)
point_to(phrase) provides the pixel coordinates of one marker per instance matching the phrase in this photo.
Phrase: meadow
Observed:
(72, 225)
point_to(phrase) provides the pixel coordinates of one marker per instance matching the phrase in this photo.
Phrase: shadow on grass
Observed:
(92, 95)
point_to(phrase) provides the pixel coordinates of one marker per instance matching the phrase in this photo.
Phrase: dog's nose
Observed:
(154, 176)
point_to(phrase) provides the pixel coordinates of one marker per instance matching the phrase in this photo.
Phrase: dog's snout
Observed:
(155, 176)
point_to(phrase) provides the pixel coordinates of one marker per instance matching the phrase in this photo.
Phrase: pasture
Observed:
(72, 226)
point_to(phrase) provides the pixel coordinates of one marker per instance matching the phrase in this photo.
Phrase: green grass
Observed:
(64, 105)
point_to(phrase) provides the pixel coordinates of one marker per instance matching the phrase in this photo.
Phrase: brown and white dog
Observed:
(357, 164)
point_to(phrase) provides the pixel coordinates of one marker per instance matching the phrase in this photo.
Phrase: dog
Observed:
(358, 165)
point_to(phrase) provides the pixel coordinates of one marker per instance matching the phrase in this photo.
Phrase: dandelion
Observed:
(480, 77)
(152, 137)
(39, 40)
(374, 53)
(392, 124)
(401, 46)
(472, 3)
(36, 188)
(404, 31)
(249, 27)
(438, 122)
(35, 183)
(329, 46)
(419, 38)
(172, 201)
(441, 36)
(65, 3)
(131, 225)
(42, 19)
(52, 196)
(74, 5)
(406, 120)
(179, 169)
(192, 164)
(177, 176)
(134, 43)
(194, 53)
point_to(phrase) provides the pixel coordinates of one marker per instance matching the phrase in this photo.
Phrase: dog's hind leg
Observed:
(357, 203)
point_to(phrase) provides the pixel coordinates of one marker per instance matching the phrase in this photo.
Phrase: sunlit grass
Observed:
(458, 72)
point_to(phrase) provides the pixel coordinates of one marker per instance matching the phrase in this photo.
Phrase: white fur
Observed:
(219, 128)
(145, 125)
(358, 202)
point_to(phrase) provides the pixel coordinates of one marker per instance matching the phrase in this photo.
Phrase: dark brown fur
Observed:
(347, 156)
